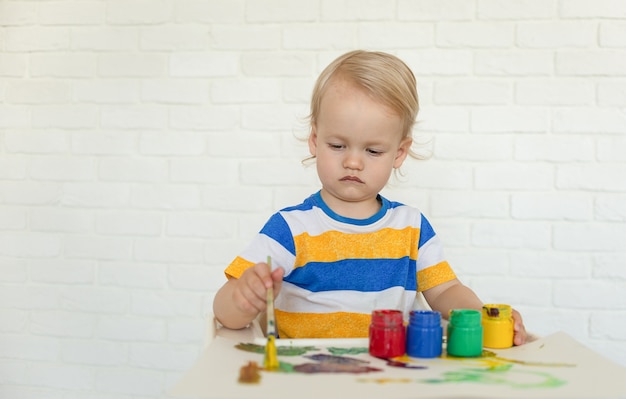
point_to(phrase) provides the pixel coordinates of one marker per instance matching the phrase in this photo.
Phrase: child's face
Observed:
(357, 142)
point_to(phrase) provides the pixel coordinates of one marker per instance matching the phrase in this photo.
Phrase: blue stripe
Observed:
(278, 229)
(364, 275)
(426, 232)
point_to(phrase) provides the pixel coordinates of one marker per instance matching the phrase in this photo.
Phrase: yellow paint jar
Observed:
(497, 324)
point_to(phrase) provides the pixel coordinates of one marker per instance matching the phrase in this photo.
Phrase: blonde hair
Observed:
(387, 78)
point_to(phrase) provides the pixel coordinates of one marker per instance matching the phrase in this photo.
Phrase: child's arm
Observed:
(240, 301)
(454, 295)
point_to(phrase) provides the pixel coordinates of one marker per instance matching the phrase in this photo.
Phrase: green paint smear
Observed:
(281, 350)
(500, 375)
(347, 351)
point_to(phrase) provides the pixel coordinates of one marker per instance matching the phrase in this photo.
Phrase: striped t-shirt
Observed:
(338, 270)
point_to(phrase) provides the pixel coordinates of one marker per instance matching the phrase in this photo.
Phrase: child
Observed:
(346, 250)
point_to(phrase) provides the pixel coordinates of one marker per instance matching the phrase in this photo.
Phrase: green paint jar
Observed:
(465, 333)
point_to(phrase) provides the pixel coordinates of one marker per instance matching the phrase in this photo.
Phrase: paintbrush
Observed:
(271, 357)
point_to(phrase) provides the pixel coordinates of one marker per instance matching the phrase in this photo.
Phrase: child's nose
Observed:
(353, 161)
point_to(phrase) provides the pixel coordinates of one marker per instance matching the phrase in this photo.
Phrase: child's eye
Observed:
(335, 146)
(374, 152)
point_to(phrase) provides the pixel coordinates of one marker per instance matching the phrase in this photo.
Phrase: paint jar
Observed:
(465, 333)
(387, 333)
(424, 334)
(497, 326)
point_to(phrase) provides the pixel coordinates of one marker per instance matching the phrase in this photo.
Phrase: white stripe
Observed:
(296, 299)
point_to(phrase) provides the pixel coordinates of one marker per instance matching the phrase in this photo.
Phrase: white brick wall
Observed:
(142, 143)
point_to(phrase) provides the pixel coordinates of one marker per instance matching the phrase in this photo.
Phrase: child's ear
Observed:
(313, 141)
(403, 151)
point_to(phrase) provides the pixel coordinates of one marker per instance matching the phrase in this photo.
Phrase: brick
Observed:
(165, 304)
(132, 274)
(55, 271)
(28, 347)
(13, 271)
(61, 376)
(168, 250)
(611, 93)
(72, 13)
(12, 371)
(438, 175)
(473, 147)
(269, 117)
(544, 321)
(129, 329)
(203, 170)
(101, 248)
(506, 234)
(281, 11)
(599, 9)
(474, 34)
(590, 62)
(15, 13)
(65, 116)
(599, 294)
(14, 116)
(194, 278)
(575, 237)
(61, 168)
(435, 10)
(107, 91)
(603, 325)
(95, 195)
(13, 321)
(37, 92)
(30, 193)
(211, 226)
(213, 118)
(550, 206)
(609, 266)
(478, 262)
(292, 64)
(509, 119)
(514, 177)
(94, 353)
(139, 169)
(311, 37)
(175, 38)
(596, 120)
(271, 172)
(192, 11)
(129, 223)
(12, 219)
(474, 204)
(139, 12)
(237, 199)
(610, 207)
(516, 62)
(176, 143)
(114, 142)
(513, 290)
(242, 91)
(353, 10)
(247, 37)
(185, 331)
(204, 65)
(463, 92)
(30, 245)
(62, 324)
(611, 34)
(36, 142)
(443, 119)
(61, 220)
(559, 35)
(599, 177)
(12, 65)
(438, 62)
(25, 39)
(166, 197)
(555, 92)
(63, 65)
(516, 10)
(611, 149)
(95, 300)
(132, 65)
(557, 148)
(550, 264)
(173, 91)
(107, 38)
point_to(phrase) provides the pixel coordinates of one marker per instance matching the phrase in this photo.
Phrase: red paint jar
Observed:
(387, 334)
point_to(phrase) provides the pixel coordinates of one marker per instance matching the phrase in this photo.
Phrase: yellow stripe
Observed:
(237, 267)
(434, 275)
(332, 246)
(322, 325)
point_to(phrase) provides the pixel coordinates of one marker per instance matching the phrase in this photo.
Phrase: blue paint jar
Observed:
(424, 334)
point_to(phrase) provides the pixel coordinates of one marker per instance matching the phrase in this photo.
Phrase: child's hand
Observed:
(250, 293)
(519, 331)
